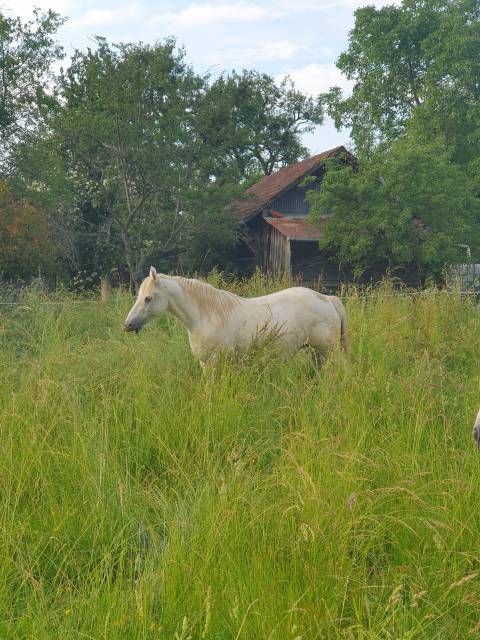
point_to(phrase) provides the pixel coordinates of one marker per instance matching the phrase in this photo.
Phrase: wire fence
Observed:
(39, 302)
(372, 294)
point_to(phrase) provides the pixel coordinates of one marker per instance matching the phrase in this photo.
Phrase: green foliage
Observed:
(141, 155)
(141, 500)
(135, 155)
(27, 51)
(415, 117)
(419, 62)
(124, 137)
(26, 242)
(408, 204)
(254, 124)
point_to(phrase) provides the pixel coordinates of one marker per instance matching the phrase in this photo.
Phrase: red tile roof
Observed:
(270, 187)
(298, 228)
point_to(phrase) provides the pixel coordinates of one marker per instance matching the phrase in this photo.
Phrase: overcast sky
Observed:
(301, 38)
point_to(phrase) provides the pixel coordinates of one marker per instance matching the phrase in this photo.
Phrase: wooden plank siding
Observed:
(271, 246)
(293, 203)
(277, 252)
(468, 276)
(313, 267)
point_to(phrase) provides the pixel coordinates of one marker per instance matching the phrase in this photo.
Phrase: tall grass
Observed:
(140, 499)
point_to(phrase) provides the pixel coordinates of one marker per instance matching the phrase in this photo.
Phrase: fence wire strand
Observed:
(369, 296)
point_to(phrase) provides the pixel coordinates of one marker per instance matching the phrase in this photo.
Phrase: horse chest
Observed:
(203, 343)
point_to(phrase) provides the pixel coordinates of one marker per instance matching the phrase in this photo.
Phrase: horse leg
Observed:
(210, 365)
(319, 357)
(324, 341)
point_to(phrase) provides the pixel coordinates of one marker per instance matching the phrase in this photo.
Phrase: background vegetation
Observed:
(131, 155)
(142, 500)
(414, 114)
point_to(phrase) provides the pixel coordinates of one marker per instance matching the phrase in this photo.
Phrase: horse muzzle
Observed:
(131, 327)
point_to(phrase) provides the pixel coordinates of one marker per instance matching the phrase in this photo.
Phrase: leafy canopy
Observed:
(125, 137)
(26, 241)
(141, 155)
(27, 51)
(416, 64)
(414, 113)
(254, 124)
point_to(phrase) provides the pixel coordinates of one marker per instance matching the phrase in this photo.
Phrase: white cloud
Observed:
(355, 4)
(318, 78)
(281, 50)
(107, 17)
(199, 15)
(304, 5)
(24, 8)
(323, 5)
(326, 137)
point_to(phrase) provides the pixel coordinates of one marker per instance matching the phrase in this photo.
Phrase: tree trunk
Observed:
(139, 269)
(129, 260)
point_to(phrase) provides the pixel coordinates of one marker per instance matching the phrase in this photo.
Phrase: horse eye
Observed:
(148, 299)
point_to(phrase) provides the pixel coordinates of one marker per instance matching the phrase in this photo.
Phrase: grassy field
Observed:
(142, 500)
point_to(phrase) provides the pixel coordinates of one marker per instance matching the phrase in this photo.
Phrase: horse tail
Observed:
(338, 304)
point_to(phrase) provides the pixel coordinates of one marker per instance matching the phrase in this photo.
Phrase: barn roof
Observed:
(272, 186)
(298, 228)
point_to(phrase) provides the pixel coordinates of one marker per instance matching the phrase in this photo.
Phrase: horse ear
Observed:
(153, 272)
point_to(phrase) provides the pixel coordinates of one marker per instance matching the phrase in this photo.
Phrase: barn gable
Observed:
(282, 191)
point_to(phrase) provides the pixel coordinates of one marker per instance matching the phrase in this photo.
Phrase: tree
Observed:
(127, 145)
(138, 156)
(27, 51)
(254, 124)
(406, 205)
(26, 245)
(416, 64)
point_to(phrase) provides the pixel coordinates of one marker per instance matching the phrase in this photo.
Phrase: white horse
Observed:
(218, 320)
(476, 430)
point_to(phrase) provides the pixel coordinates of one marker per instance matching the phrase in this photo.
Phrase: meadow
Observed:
(140, 499)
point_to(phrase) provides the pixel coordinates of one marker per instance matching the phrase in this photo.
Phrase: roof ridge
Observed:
(272, 186)
(318, 157)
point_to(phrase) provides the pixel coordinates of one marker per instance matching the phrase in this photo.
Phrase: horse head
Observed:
(151, 301)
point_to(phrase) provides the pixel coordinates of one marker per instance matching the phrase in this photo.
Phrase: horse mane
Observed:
(209, 300)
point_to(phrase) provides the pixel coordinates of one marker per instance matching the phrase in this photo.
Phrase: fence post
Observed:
(105, 289)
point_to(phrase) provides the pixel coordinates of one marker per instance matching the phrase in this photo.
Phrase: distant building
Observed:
(276, 236)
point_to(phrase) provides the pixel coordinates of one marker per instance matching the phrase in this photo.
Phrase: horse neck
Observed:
(197, 304)
(180, 304)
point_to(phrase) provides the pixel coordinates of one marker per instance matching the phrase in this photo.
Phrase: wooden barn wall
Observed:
(277, 254)
(314, 267)
(264, 247)
(253, 244)
(317, 268)
(293, 202)
(243, 259)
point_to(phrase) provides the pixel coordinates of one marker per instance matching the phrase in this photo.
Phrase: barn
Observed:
(275, 233)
